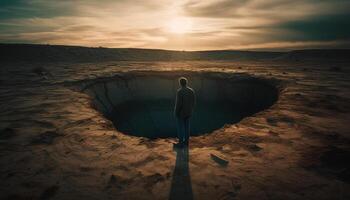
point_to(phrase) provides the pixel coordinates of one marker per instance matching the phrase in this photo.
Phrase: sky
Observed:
(178, 25)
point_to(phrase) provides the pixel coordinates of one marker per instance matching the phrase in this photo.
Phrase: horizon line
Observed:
(158, 49)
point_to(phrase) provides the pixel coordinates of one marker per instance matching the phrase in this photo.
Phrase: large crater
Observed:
(142, 103)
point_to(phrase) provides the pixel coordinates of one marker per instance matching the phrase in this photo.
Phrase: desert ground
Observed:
(57, 143)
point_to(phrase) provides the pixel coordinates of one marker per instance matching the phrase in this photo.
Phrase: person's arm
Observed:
(194, 100)
(178, 104)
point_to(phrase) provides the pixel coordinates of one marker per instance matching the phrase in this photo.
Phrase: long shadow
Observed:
(181, 187)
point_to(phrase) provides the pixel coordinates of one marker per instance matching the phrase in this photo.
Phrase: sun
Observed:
(179, 25)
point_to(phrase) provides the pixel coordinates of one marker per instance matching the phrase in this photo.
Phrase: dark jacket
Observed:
(185, 102)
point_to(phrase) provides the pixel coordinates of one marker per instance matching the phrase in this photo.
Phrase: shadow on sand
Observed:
(181, 187)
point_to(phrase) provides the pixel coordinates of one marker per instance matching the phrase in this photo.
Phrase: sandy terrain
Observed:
(54, 144)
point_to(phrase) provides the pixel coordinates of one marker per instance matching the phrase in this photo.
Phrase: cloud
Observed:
(263, 8)
(321, 28)
(214, 8)
(213, 24)
(253, 23)
(21, 9)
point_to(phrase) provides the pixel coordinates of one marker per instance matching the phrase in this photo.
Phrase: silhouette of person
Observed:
(184, 106)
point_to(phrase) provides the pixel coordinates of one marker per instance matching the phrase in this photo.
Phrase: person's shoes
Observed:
(185, 143)
(178, 145)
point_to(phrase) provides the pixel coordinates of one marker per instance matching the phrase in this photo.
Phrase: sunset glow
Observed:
(182, 25)
(179, 25)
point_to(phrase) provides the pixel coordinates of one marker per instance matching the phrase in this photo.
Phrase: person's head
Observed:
(183, 81)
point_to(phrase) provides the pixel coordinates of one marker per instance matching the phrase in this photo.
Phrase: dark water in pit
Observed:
(155, 119)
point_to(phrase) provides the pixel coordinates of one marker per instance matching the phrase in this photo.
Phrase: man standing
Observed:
(184, 106)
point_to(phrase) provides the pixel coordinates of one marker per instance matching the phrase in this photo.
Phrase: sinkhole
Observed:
(142, 103)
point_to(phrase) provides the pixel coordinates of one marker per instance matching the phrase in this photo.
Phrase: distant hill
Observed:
(317, 54)
(55, 53)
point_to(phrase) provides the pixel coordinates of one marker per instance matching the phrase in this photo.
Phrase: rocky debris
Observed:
(155, 178)
(49, 192)
(273, 121)
(47, 137)
(221, 161)
(247, 139)
(116, 182)
(7, 133)
(41, 71)
(112, 179)
(254, 147)
(113, 137)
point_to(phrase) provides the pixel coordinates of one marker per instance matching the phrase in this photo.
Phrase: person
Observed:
(184, 106)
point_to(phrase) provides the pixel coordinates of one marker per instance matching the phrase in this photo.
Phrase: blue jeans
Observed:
(183, 129)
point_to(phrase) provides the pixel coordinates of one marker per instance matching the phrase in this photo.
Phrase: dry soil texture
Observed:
(55, 144)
